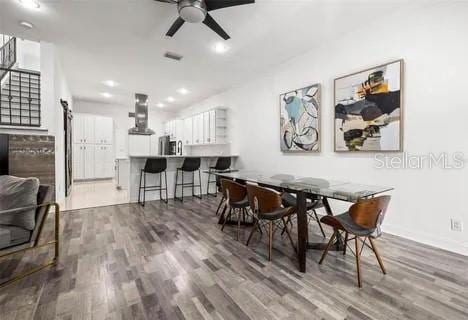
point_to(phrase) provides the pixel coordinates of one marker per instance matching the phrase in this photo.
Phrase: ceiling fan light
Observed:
(192, 11)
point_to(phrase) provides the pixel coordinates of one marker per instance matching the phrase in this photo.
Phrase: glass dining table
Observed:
(305, 187)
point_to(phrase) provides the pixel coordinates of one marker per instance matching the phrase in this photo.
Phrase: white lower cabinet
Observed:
(83, 161)
(104, 163)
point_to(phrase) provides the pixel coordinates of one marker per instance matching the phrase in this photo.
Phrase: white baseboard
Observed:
(428, 239)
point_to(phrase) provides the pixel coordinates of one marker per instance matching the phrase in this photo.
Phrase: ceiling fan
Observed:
(196, 11)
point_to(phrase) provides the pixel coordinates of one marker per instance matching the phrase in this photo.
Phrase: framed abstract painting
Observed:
(368, 110)
(300, 120)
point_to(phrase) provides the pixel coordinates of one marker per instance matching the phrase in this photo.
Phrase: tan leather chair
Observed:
(267, 209)
(236, 201)
(363, 220)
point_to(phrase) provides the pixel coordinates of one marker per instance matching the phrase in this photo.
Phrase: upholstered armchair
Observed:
(21, 227)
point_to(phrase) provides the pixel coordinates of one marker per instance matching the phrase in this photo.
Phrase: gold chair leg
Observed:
(270, 241)
(56, 244)
(324, 254)
(377, 255)
(27, 273)
(358, 261)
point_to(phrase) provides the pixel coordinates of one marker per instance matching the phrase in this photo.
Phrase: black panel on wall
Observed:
(3, 154)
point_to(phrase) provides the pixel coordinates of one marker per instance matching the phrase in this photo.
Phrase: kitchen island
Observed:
(137, 163)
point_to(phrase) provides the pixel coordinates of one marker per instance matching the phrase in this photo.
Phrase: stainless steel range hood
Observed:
(141, 116)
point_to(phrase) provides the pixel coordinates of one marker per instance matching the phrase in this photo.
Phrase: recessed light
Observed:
(160, 105)
(106, 95)
(220, 47)
(26, 25)
(183, 91)
(31, 4)
(170, 99)
(110, 83)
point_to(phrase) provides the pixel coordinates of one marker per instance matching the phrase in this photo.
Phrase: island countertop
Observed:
(137, 163)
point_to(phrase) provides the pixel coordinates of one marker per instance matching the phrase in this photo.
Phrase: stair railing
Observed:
(20, 98)
(7, 56)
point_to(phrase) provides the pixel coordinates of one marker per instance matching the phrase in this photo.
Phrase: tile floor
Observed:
(89, 194)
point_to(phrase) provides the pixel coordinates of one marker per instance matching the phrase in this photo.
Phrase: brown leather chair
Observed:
(267, 208)
(363, 220)
(236, 201)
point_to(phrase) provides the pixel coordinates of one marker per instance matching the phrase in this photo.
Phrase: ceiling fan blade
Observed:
(219, 4)
(213, 25)
(175, 27)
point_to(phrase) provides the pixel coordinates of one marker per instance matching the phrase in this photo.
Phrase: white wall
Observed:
(121, 120)
(54, 87)
(28, 54)
(435, 112)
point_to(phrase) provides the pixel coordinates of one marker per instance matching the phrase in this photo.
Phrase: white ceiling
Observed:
(124, 40)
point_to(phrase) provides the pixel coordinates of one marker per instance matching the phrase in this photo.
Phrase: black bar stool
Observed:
(191, 164)
(223, 163)
(153, 166)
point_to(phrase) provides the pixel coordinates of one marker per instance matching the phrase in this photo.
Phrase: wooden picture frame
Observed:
(300, 109)
(372, 107)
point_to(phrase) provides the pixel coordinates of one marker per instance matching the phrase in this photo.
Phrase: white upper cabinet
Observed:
(212, 127)
(174, 129)
(188, 131)
(206, 128)
(104, 130)
(198, 129)
(83, 128)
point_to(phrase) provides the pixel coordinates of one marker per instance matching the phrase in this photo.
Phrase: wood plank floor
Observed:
(173, 262)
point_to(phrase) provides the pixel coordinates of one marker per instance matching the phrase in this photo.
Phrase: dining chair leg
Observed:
(255, 226)
(319, 223)
(219, 206)
(289, 235)
(324, 254)
(260, 229)
(270, 239)
(358, 260)
(377, 255)
(226, 219)
(286, 226)
(238, 223)
(345, 243)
